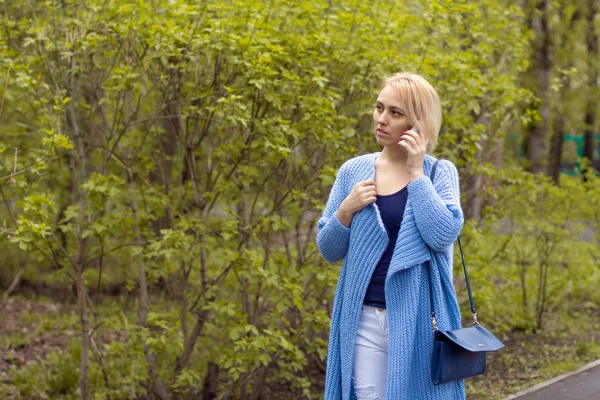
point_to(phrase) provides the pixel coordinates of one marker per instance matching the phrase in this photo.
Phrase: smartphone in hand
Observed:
(414, 130)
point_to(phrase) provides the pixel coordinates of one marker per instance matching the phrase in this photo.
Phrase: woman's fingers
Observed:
(368, 182)
(414, 137)
(368, 187)
(408, 147)
(368, 190)
(413, 142)
(410, 139)
(363, 193)
(369, 193)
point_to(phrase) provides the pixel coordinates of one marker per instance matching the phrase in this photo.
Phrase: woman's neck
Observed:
(393, 156)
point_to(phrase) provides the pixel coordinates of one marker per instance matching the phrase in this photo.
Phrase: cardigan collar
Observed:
(410, 249)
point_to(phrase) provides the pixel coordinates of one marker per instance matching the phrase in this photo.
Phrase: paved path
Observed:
(583, 384)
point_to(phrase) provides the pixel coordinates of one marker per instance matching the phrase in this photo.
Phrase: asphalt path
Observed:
(584, 385)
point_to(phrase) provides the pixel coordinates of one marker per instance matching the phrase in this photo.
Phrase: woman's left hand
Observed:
(415, 145)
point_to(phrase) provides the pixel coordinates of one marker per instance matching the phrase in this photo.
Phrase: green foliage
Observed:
(534, 248)
(62, 374)
(55, 377)
(588, 351)
(15, 341)
(57, 323)
(27, 381)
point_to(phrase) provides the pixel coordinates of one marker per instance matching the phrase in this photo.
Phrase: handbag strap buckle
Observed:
(475, 318)
(434, 323)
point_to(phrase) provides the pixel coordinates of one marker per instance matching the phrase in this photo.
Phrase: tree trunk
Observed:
(590, 123)
(84, 319)
(167, 144)
(496, 154)
(155, 383)
(474, 183)
(556, 148)
(211, 382)
(543, 62)
(474, 199)
(560, 120)
(259, 385)
(592, 101)
(73, 118)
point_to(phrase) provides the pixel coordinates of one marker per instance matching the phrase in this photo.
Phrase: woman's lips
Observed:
(381, 132)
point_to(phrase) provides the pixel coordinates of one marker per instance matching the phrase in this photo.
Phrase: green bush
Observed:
(530, 251)
(588, 351)
(15, 341)
(62, 375)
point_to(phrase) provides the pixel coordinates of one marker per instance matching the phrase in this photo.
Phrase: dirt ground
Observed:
(21, 339)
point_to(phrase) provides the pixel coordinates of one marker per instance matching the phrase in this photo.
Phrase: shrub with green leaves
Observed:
(187, 150)
(536, 249)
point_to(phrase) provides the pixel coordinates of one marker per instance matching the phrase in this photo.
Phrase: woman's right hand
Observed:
(362, 194)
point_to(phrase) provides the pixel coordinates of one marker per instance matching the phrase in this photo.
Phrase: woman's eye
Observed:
(396, 113)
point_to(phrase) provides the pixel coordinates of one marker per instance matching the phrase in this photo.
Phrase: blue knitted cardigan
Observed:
(424, 248)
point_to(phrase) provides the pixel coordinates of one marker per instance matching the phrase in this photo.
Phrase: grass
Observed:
(15, 341)
(568, 342)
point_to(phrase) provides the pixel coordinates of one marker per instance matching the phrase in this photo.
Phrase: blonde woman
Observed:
(395, 230)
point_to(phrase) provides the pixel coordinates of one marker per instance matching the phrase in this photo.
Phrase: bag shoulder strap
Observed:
(473, 310)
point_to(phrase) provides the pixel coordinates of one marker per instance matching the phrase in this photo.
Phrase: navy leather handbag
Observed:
(459, 353)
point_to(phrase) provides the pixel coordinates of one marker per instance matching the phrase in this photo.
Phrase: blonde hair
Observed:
(420, 103)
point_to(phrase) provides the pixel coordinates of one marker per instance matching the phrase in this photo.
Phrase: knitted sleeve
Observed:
(332, 236)
(437, 211)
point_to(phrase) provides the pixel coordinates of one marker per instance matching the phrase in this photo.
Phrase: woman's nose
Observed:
(382, 118)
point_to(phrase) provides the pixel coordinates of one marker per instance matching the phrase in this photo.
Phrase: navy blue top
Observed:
(391, 207)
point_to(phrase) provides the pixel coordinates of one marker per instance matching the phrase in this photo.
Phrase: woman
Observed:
(395, 230)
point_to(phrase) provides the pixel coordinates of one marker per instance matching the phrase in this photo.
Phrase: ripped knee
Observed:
(365, 392)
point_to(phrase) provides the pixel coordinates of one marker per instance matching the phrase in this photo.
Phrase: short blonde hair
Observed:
(420, 103)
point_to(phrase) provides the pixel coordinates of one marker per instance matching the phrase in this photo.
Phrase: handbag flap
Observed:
(475, 338)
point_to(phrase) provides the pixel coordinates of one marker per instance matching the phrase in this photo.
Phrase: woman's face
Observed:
(388, 118)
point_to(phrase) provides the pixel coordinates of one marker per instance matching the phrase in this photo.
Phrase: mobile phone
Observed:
(414, 128)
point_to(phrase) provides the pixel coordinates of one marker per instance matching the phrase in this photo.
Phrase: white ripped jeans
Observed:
(369, 371)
